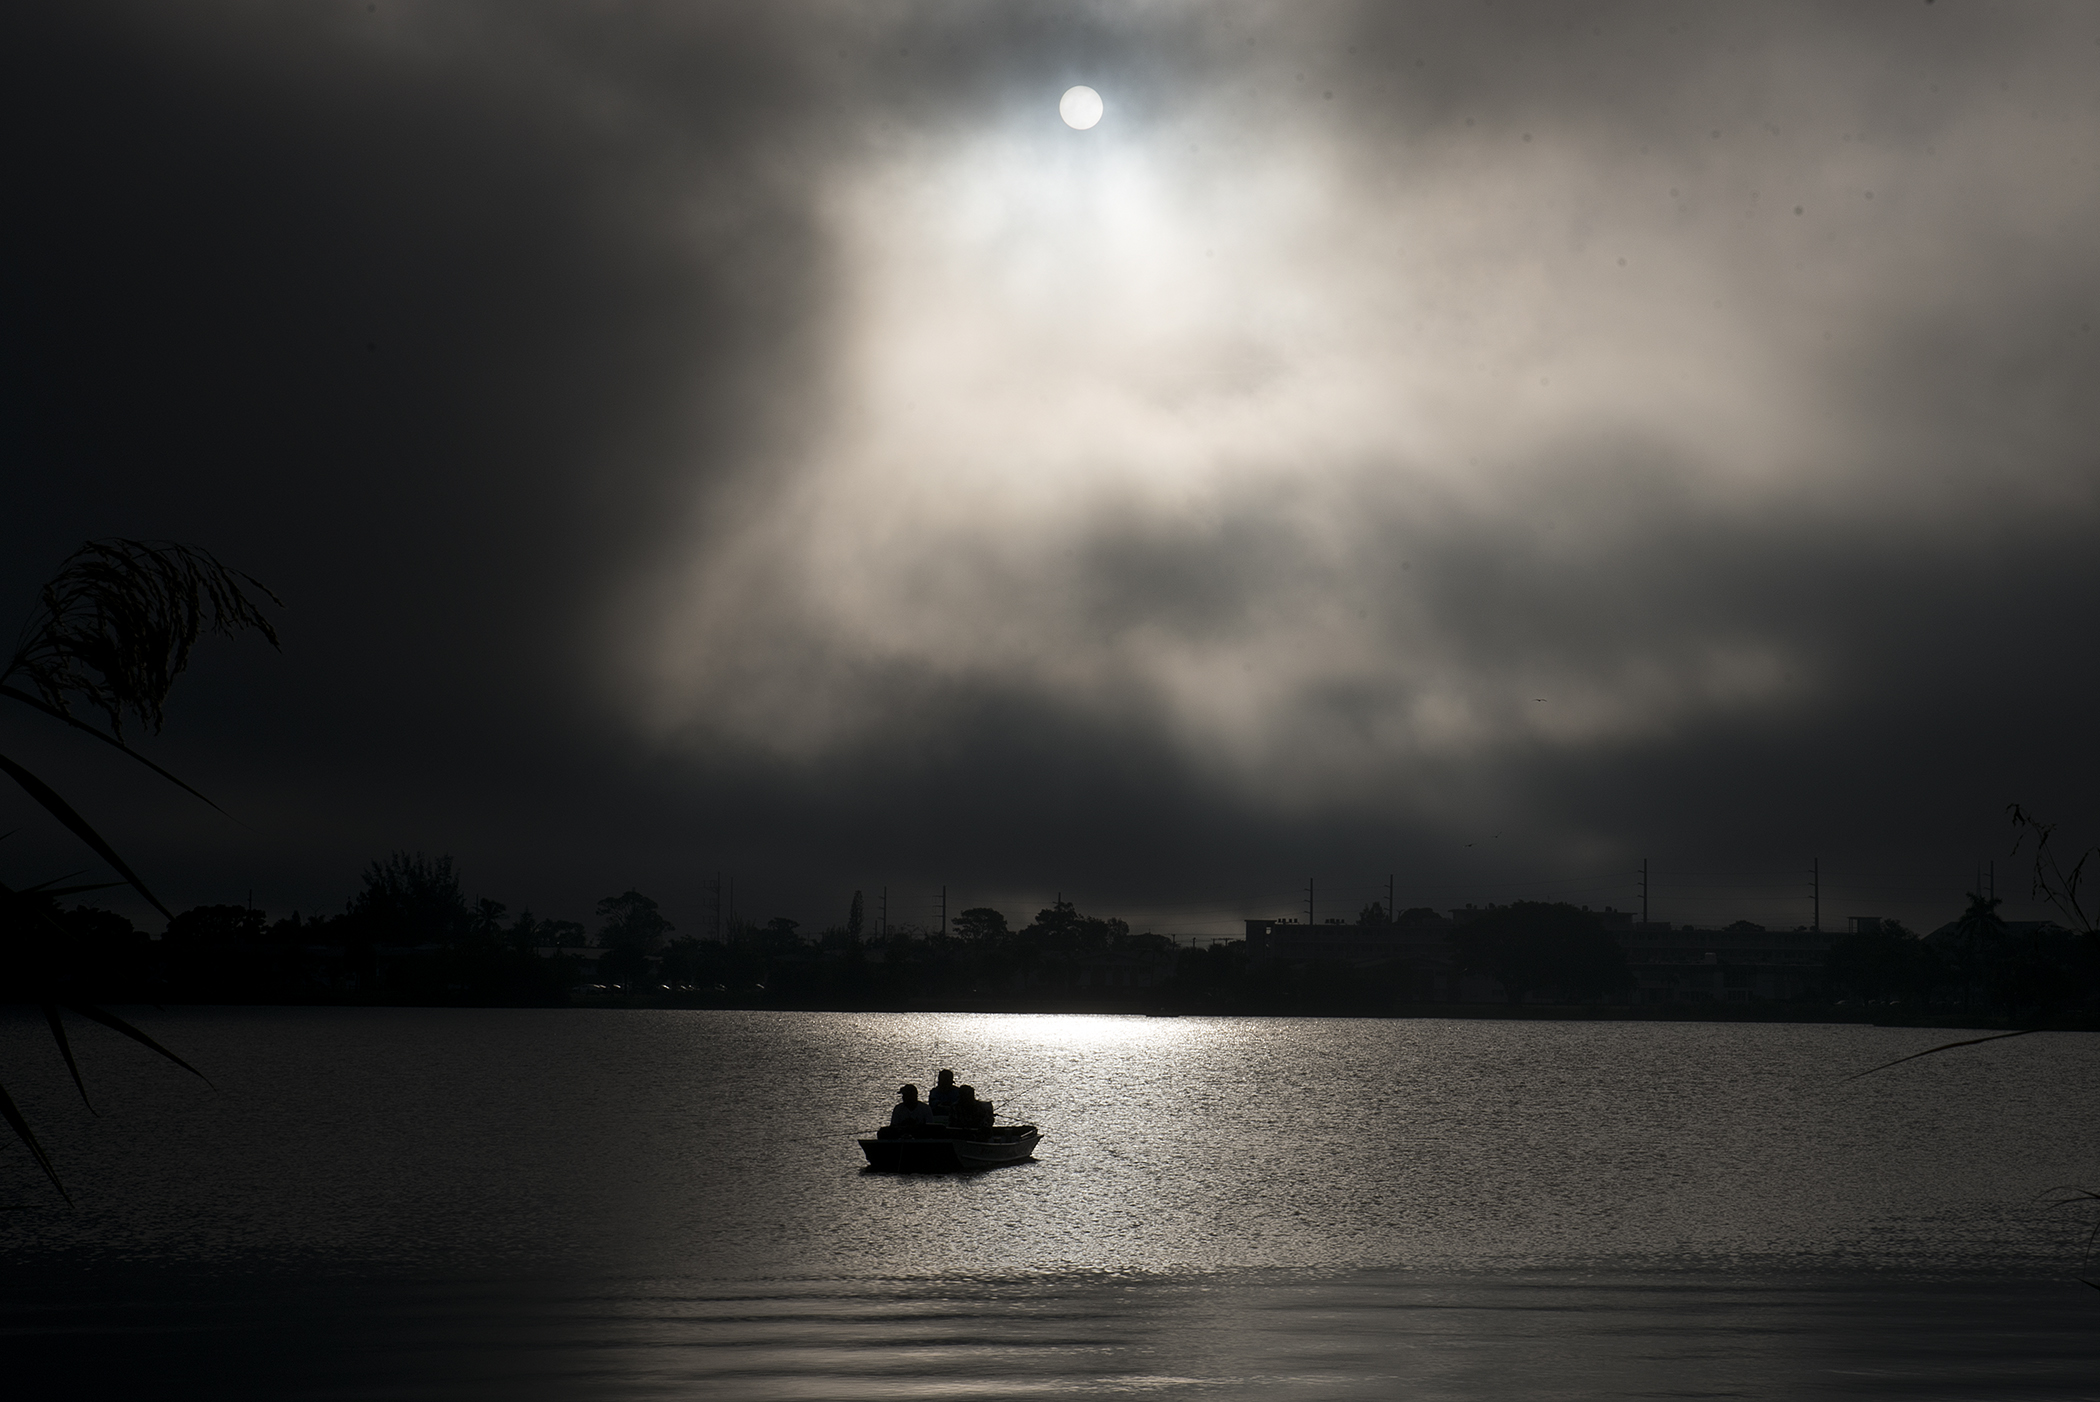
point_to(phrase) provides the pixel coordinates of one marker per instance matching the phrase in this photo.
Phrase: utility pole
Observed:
(1644, 890)
(944, 910)
(1815, 894)
(1392, 914)
(1990, 891)
(1309, 900)
(882, 921)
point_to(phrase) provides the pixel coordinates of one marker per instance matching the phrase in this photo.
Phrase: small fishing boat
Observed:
(947, 1149)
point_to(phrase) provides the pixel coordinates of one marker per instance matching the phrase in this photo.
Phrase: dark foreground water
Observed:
(392, 1203)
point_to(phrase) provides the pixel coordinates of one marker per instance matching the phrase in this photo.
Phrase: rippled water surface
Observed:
(452, 1203)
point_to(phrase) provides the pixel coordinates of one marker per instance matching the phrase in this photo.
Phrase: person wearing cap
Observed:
(909, 1111)
(940, 1101)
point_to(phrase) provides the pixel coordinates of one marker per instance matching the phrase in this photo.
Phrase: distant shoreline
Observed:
(1945, 1018)
(1473, 1012)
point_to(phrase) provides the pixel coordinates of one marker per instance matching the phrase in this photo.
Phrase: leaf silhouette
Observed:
(118, 1024)
(65, 1049)
(42, 889)
(22, 1131)
(104, 736)
(58, 808)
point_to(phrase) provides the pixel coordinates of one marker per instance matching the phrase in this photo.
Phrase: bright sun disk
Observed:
(1080, 107)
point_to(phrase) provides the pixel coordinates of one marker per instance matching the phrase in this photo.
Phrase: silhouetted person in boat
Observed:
(941, 1099)
(969, 1111)
(910, 1111)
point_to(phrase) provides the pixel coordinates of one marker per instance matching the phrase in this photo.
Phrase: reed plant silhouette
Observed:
(111, 632)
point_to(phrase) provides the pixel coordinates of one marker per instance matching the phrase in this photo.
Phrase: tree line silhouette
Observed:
(410, 935)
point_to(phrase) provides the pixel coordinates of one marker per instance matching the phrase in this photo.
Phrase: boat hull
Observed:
(935, 1153)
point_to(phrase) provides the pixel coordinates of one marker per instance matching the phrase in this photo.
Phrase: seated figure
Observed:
(941, 1099)
(970, 1112)
(909, 1111)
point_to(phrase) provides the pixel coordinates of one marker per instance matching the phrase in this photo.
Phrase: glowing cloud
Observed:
(1321, 457)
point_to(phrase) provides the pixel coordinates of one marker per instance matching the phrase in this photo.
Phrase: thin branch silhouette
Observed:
(1944, 1046)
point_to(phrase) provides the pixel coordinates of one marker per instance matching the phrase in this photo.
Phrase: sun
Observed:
(1080, 107)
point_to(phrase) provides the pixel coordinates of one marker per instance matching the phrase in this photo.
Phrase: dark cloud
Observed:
(693, 440)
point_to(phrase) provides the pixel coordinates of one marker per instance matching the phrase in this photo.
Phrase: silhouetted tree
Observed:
(855, 918)
(1980, 923)
(106, 956)
(980, 923)
(1208, 969)
(564, 933)
(527, 931)
(408, 898)
(1971, 947)
(1062, 927)
(94, 955)
(631, 920)
(487, 916)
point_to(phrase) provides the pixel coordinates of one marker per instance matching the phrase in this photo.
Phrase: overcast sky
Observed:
(1485, 445)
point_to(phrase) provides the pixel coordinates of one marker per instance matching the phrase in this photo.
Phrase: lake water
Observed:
(442, 1203)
